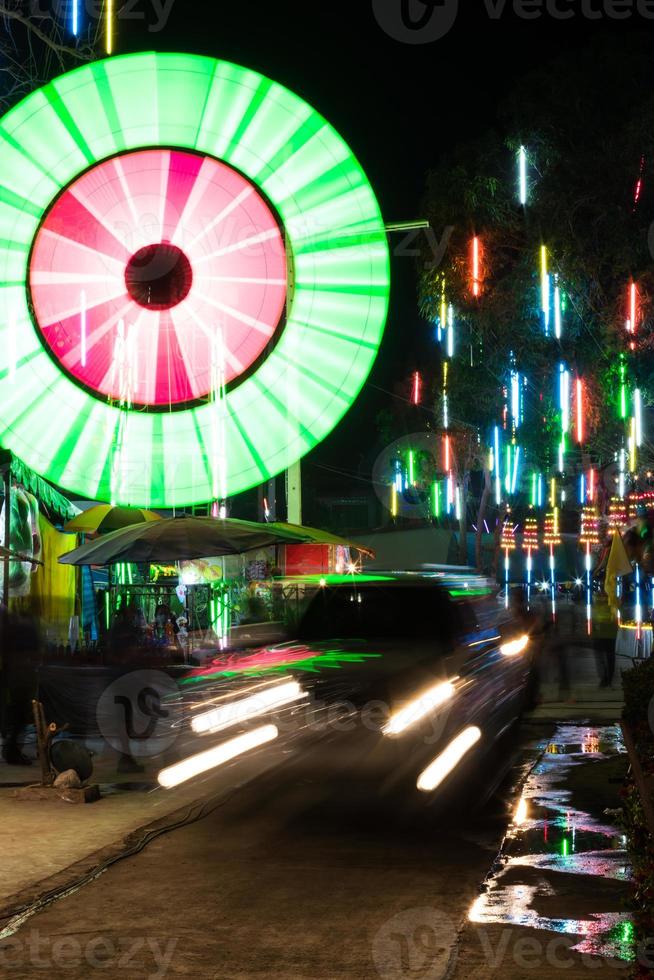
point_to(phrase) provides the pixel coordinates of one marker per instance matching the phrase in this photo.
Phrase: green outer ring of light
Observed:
(334, 230)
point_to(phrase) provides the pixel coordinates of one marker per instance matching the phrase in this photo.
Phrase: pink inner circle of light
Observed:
(100, 334)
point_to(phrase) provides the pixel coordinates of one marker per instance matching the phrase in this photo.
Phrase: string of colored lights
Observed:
(576, 407)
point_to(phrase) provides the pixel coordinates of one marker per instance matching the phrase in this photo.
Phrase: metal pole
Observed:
(7, 532)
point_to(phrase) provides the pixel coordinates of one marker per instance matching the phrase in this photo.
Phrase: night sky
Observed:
(398, 105)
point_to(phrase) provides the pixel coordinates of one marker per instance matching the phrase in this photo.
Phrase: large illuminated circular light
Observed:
(169, 293)
(162, 216)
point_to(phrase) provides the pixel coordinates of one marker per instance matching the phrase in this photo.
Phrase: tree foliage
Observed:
(588, 125)
(36, 44)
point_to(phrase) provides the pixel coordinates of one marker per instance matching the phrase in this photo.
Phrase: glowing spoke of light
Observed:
(448, 760)
(82, 328)
(419, 708)
(203, 762)
(245, 709)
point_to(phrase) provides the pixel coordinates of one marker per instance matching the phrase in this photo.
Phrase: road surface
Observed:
(294, 876)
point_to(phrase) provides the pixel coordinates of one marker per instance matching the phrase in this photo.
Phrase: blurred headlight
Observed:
(245, 709)
(515, 647)
(419, 708)
(448, 760)
(217, 756)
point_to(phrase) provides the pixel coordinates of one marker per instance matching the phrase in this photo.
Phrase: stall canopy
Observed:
(180, 539)
(103, 518)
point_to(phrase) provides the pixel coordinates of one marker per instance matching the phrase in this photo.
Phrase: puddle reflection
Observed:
(548, 834)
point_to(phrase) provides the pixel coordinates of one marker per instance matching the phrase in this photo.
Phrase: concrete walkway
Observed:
(46, 844)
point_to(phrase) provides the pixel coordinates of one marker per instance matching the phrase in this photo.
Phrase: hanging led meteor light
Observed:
(436, 499)
(516, 463)
(638, 417)
(417, 388)
(442, 318)
(591, 485)
(109, 27)
(508, 544)
(552, 540)
(564, 398)
(633, 451)
(536, 489)
(412, 468)
(622, 469)
(545, 289)
(530, 544)
(476, 266)
(580, 411)
(497, 465)
(558, 318)
(622, 405)
(632, 318)
(517, 389)
(589, 538)
(75, 18)
(450, 331)
(522, 175)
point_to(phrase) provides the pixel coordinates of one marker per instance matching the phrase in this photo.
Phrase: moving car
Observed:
(406, 682)
(415, 678)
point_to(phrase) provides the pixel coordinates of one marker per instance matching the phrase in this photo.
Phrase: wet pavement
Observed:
(557, 897)
(293, 878)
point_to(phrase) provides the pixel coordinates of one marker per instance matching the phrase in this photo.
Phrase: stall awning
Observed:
(55, 502)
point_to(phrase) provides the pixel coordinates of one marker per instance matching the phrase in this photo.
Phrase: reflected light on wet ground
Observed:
(550, 837)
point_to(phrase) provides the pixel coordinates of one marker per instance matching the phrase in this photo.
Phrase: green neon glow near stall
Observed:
(338, 256)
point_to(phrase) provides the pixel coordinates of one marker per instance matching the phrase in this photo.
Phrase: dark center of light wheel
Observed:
(158, 276)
